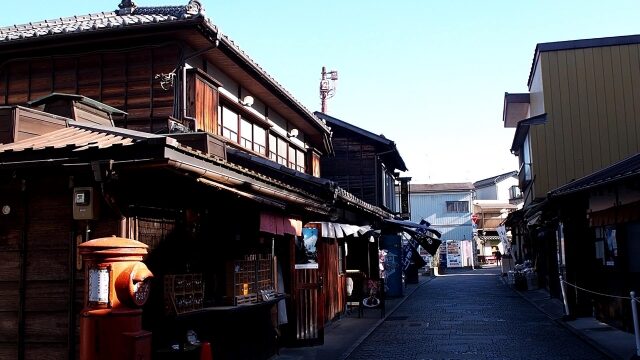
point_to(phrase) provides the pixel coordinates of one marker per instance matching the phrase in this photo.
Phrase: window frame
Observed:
(452, 206)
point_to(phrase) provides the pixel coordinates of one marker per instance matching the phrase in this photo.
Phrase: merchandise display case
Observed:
(250, 280)
(183, 293)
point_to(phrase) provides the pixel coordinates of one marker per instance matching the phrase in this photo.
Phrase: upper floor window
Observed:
(514, 192)
(388, 190)
(259, 140)
(229, 122)
(525, 154)
(246, 134)
(300, 161)
(281, 152)
(458, 206)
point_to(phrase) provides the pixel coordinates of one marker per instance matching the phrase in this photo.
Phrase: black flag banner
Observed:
(411, 255)
(430, 244)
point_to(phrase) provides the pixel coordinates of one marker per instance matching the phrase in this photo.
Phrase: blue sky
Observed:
(429, 75)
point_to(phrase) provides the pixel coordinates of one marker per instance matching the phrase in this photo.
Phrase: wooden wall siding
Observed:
(125, 80)
(332, 286)
(203, 104)
(48, 267)
(306, 302)
(6, 125)
(353, 168)
(87, 114)
(592, 106)
(42, 265)
(30, 123)
(10, 246)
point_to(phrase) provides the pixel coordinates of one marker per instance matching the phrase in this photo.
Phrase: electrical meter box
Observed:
(85, 203)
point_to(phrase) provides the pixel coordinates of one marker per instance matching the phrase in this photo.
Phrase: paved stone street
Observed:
(470, 314)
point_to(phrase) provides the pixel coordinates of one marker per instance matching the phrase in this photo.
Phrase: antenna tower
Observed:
(327, 87)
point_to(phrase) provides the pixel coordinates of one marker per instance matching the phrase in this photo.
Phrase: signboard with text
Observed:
(454, 255)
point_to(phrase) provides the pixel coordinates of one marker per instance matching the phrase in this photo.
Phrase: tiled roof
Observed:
(494, 179)
(76, 139)
(629, 167)
(443, 187)
(138, 16)
(80, 136)
(334, 122)
(101, 21)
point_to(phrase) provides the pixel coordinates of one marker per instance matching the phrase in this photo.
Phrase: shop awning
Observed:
(413, 227)
(339, 231)
(279, 224)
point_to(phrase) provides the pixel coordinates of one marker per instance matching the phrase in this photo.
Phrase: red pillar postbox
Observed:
(116, 286)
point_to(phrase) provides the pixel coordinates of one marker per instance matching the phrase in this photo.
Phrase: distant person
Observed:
(498, 257)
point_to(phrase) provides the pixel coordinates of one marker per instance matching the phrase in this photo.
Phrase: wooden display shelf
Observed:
(183, 293)
(249, 279)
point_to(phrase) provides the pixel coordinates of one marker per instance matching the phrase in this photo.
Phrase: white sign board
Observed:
(454, 255)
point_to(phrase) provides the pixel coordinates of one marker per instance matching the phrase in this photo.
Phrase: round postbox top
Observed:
(112, 242)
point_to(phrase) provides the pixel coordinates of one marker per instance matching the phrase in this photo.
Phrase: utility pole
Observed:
(327, 87)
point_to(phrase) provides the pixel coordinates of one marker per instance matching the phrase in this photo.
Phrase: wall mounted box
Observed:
(85, 203)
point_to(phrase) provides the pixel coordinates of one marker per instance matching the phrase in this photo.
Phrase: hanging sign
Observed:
(306, 251)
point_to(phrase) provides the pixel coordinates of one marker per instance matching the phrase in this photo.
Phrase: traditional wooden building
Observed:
(366, 165)
(363, 163)
(599, 222)
(579, 117)
(172, 136)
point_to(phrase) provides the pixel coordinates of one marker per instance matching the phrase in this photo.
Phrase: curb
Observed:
(560, 321)
(387, 314)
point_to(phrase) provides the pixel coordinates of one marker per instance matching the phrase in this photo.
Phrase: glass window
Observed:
(259, 140)
(283, 149)
(606, 245)
(246, 134)
(389, 189)
(300, 161)
(229, 124)
(292, 158)
(219, 123)
(273, 147)
(457, 206)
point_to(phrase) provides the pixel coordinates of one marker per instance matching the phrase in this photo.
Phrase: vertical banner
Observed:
(502, 234)
(391, 245)
(404, 198)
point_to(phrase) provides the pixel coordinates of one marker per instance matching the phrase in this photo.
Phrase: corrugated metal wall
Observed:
(433, 208)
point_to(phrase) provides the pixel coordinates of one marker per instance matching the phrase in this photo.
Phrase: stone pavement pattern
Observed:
(470, 314)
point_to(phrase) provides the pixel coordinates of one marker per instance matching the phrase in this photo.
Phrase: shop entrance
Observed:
(307, 289)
